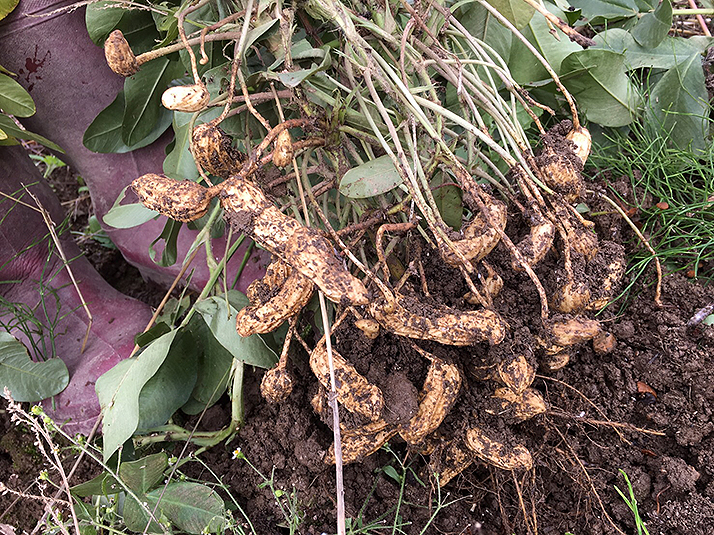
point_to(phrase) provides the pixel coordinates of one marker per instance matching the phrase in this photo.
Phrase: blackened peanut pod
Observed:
(182, 200)
(213, 150)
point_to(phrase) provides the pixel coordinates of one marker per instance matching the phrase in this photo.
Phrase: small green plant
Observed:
(631, 502)
(48, 163)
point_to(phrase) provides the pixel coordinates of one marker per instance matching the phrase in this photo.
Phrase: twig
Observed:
(700, 19)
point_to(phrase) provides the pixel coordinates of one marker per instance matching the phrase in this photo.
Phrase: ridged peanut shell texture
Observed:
(283, 151)
(498, 453)
(353, 390)
(183, 200)
(213, 150)
(276, 385)
(120, 57)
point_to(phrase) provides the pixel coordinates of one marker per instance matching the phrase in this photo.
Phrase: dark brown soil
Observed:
(646, 409)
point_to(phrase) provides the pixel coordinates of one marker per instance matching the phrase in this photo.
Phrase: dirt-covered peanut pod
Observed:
(604, 343)
(583, 141)
(555, 362)
(276, 385)
(186, 98)
(574, 331)
(479, 238)
(516, 373)
(361, 442)
(439, 393)
(443, 324)
(303, 248)
(182, 200)
(283, 151)
(519, 406)
(615, 265)
(353, 390)
(496, 452)
(571, 297)
(536, 245)
(559, 165)
(119, 55)
(269, 311)
(369, 327)
(213, 150)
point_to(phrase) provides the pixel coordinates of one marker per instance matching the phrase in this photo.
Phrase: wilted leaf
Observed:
(598, 80)
(679, 106)
(370, 179)
(28, 380)
(653, 27)
(221, 320)
(14, 99)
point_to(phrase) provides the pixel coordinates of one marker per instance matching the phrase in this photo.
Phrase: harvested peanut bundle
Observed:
(213, 150)
(120, 57)
(303, 248)
(283, 151)
(516, 373)
(264, 317)
(443, 324)
(183, 200)
(361, 442)
(353, 390)
(186, 98)
(440, 390)
(497, 453)
(479, 238)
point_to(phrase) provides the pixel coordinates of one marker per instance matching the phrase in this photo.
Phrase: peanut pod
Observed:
(261, 290)
(479, 238)
(536, 245)
(293, 295)
(523, 406)
(353, 390)
(186, 98)
(276, 384)
(516, 373)
(182, 200)
(304, 248)
(562, 172)
(361, 442)
(213, 150)
(443, 324)
(571, 297)
(457, 458)
(497, 453)
(119, 55)
(613, 274)
(574, 331)
(441, 388)
(583, 142)
(283, 152)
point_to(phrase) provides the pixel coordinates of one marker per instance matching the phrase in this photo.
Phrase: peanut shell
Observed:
(183, 200)
(516, 373)
(283, 151)
(276, 385)
(119, 55)
(213, 150)
(498, 453)
(479, 238)
(362, 442)
(186, 98)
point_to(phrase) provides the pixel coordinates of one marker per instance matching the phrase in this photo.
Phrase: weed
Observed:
(47, 163)
(631, 502)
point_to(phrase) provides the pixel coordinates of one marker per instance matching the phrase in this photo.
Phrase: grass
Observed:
(631, 502)
(672, 200)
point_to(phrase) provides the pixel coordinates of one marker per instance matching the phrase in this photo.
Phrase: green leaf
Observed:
(214, 364)
(679, 106)
(142, 475)
(295, 78)
(14, 100)
(28, 380)
(600, 11)
(653, 27)
(142, 93)
(104, 134)
(170, 387)
(191, 507)
(598, 80)
(119, 388)
(11, 129)
(221, 320)
(6, 7)
(170, 237)
(516, 11)
(259, 32)
(448, 201)
(370, 179)
(670, 52)
(137, 519)
(3, 135)
(129, 215)
(102, 20)
(102, 485)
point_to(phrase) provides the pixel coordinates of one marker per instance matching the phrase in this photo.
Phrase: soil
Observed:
(645, 408)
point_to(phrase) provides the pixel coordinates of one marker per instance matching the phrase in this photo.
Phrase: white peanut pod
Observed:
(186, 98)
